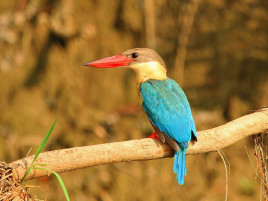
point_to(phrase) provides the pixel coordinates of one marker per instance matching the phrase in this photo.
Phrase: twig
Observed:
(142, 149)
(226, 173)
(149, 12)
(261, 163)
(182, 40)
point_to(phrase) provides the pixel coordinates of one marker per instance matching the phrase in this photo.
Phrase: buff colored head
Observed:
(146, 62)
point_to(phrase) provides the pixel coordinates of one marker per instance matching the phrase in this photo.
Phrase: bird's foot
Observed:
(154, 135)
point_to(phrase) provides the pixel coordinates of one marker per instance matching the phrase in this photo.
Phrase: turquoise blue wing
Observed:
(167, 108)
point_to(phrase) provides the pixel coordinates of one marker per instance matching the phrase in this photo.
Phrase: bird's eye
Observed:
(134, 55)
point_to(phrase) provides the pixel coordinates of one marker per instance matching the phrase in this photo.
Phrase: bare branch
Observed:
(191, 8)
(149, 12)
(260, 156)
(142, 149)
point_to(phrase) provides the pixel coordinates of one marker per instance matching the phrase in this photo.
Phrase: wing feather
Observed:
(167, 108)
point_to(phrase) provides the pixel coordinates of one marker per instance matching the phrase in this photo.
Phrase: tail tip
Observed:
(180, 166)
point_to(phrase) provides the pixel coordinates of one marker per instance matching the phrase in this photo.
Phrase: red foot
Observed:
(154, 135)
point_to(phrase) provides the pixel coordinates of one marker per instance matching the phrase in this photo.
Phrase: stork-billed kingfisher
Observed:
(163, 100)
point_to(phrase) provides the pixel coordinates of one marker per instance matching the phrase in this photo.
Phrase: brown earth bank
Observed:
(216, 50)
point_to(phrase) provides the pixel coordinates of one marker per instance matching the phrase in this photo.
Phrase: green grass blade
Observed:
(26, 174)
(40, 148)
(44, 141)
(59, 179)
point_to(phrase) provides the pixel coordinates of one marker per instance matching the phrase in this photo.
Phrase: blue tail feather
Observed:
(176, 162)
(180, 165)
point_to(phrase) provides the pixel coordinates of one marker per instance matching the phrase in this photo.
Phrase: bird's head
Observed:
(146, 62)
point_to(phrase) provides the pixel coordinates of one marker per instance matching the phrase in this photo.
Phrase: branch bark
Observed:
(142, 149)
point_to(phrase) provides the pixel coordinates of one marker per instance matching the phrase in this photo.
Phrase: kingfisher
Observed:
(163, 100)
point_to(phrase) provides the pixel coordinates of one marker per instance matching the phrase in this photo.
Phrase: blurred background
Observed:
(216, 50)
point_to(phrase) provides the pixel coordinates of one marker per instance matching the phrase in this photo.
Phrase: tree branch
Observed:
(142, 149)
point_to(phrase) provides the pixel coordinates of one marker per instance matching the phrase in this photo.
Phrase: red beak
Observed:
(110, 62)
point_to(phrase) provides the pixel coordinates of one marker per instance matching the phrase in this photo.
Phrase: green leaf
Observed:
(33, 166)
(40, 148)
(43, 143)
(59, 179)
(26, 174)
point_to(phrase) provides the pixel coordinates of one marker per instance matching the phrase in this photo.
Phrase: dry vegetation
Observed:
(222, 53)
(10, 187)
